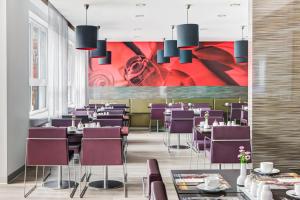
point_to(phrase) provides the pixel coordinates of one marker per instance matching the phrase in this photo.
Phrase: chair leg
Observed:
(150, 125)
(169, 142)
(157, 126)
(125, 180)
(191, 155)
(85, 185)
(34, 187)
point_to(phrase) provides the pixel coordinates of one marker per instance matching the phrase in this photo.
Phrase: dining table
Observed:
(186, 183)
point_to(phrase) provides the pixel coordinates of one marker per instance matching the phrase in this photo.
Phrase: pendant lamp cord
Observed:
(243, 27)
(172, 27)
(187, 12)
(86, 10)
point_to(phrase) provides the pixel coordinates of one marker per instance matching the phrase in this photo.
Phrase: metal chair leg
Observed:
(34, 187)
(169, 142)
(157, 126)
(125, 180)
(150, 125)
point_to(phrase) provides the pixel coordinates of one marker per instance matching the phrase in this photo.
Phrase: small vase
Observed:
(243, 174)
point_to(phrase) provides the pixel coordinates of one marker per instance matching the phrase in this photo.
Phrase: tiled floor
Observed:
(142, 146)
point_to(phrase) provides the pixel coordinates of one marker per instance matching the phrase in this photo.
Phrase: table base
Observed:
(62, 185)
(110, 184)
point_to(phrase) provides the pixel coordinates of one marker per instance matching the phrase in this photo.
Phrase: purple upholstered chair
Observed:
(213, 113)
(107, 143)
(153, 174)
(198, 138)
(236, 110)
(74, 140)
(158, 191)
(63, 122)
(46, 147)
(225, 142)
(111, 116)
(157, 114)
(182, 122)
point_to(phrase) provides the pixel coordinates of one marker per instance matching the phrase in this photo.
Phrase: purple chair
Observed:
(157, 114)
(107, 142)
(110, 116)
(153, 174)
(236, 111)
(201, 105)
(213, 113)
(198, 138)
(225, 142)
(182, 122)
(63, 122)
(74, 140)
(47, 147)
(158, 191)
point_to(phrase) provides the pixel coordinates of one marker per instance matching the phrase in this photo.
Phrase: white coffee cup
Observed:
(212, 182)
(233, 123)
(229, 123)
(221, 123)
(266, 167)
(297, 189)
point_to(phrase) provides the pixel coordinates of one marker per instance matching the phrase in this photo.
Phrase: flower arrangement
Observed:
(244, 156)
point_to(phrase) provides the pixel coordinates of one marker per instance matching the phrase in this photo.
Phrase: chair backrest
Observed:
(109, 122)
(47, 146)
(153, 173)
(157, 114)
(101, 146)
(110, 116)
(84, 118)
(63, 122)
(213, 113)
(158, 191)
(225, 143)
(97, 105)
(201, 105)
(158, 105)
(182, 121)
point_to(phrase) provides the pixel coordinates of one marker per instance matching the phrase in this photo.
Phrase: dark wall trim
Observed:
(15, 174)
(69, 23)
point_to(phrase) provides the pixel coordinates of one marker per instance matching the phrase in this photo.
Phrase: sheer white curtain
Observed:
(57, 63)
(79, 86)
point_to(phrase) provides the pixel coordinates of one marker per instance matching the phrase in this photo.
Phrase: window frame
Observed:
(42, 80)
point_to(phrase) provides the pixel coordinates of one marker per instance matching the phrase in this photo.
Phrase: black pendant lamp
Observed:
(106, 60)
(187, 34)
(170, 46)
(86, 35)
(160, 58)
(100, 52)
(185, 56)
(241, 49)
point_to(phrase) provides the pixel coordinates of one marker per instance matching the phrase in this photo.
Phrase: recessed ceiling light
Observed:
(221, 15)
(140, 5)
(139, 16)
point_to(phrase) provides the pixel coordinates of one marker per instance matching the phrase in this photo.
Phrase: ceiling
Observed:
(150, 20)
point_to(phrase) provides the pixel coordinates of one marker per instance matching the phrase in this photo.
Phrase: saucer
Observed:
(274, 171)
(292, 193)
(202, 187)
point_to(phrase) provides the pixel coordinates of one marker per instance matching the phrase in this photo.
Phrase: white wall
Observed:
(17, 82)
(3, 94)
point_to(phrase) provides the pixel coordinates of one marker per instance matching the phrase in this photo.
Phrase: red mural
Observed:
(134, 64)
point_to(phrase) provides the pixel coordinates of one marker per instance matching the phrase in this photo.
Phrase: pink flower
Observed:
(242, 151)
(247, 152)
(242, 147)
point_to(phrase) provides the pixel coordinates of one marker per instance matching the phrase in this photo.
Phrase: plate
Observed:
(292, 193)
(202, 187)
(274, 171)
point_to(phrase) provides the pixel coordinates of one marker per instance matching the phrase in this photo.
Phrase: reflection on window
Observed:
(38, 65)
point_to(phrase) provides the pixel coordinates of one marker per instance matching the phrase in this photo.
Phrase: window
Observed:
(71, 73)
(38, 66)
